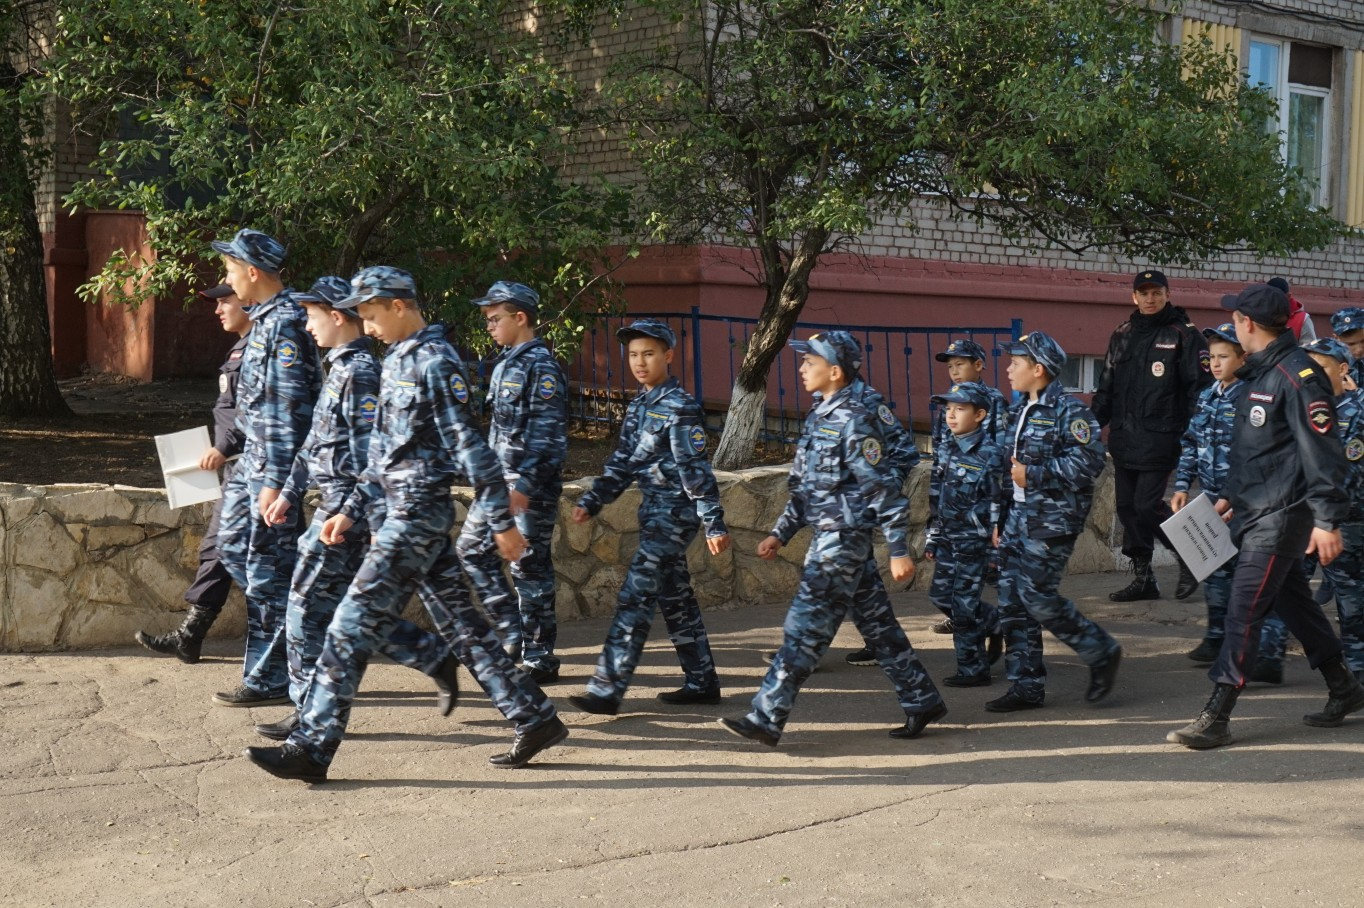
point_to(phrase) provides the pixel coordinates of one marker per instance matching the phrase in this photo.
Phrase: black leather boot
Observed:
(1212, 728)
(1143, 585)
(1347, 696)
(184, 642)
(1188, 583)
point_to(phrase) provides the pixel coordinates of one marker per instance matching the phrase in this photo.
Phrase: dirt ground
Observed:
(109, 439)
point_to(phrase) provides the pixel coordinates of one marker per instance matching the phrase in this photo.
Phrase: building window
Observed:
(1080, 374)
(1299, 78)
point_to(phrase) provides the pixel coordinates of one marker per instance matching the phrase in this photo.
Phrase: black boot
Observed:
(1212, 728)
(1143, 585)
(1347, 696)
(1187, 582)
(185, 641)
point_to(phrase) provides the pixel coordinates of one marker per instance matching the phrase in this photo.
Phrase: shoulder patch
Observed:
(287, 353)
(1354, 449)
(369, 407)
(1319, 415)
(459, 388)
(871, 449)
(884, 414)
(1304, 373)
(697, 435)
(1080, 429)
(548, 387)
(1205, 360)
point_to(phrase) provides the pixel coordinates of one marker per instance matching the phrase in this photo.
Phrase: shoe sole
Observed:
(274, 771)
(738, 733)
(583, 705)
(937, 714)
(969, 682)
(1175, 737)
(243, 704)
(559, 738)
(697, 701)
(1013, 708)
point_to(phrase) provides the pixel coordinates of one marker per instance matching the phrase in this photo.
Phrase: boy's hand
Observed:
(717, 544)
(1178, 500)
(520, 502)
(1223, 507)
(768, 548)
(267, 498)
(334, 530)
(994, 537)
(1327, 545)
(1019, 473)
(511, 545)
(901, 568)
(277, 511)
(580, 515)
(212, 459)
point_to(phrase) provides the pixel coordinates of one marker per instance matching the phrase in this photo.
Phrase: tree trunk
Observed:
(28, 386)
(786, 295)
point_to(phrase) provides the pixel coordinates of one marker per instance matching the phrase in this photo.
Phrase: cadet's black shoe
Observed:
(1267, 672)
(1187, 582)
(530, 743)
(281, 730)
(1347, 696)
(1102, 677)
(242, 695)
(1206, 651)
(686, 695)
(1011, 702)
(1142, 587)
(863, 656)
(746, 729)
(918, 722)
(942, 627)
(591, 703)
(446, 677)
(994, 647)
(542, 675)
(172, 644)
(287, 762)
(1212, 728)
(960, 680)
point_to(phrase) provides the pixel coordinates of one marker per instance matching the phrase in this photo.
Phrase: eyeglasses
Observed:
(492, 320)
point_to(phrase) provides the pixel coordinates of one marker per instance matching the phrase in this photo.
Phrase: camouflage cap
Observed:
(647, 327)
(1042, 348)
(1351, 318)
(1329, 346)
(1223, 332)
(329, 291)
(966, 392)
(961, 348)
(513, 294)
(257, 249)
(837, 348)
(378, 282)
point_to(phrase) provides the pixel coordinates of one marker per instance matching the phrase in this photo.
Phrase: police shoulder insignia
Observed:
(1319, 415)
(287, 353)
(459, 388)
(369, 407)
(1080, 429)
(883, 412)
(871, 449)
(1354, 448)
(698, 438)
(1304, 373)
(1205, 360)
(548, 387)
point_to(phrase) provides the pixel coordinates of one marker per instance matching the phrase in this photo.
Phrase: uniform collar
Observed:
(433, 331)
(260, 310)
(510, 353)
(1259, 363)
(969, 442)
(350, 348)
(659, 391)
(823, 406)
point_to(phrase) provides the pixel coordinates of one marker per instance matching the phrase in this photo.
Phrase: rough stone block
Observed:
(623, 513)
(102, 541)
(25, 503)
(597, 596)
(102, 624)
(37, 602)
(157, 573)
(101, 583)
(42, 542)
(99, 506)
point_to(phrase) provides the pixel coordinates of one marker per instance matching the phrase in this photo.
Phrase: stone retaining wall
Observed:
(87, 565)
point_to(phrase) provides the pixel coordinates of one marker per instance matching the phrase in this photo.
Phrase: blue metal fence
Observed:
(897, 361)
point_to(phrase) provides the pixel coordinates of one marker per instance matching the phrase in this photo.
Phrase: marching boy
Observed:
(840, 488)
(662, 447)
(529, 435)
(425, 436)
(334, 455)
(1048, 490)
(959, 541)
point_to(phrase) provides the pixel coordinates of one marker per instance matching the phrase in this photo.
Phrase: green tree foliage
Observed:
(792, 125)
(419, 133)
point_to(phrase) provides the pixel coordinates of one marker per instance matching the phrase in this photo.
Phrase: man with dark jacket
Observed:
(1286, 496)
(1157, 364)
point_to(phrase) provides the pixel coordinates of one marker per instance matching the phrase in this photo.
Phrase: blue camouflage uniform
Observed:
(1345, 321)
(277, 388)
(1057, 439)
(841, 489)
(1204, 457)
(423, 439)
(662, 448)
(529, 433)
(959, 537)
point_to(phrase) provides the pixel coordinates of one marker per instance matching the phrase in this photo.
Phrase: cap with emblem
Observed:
(257, 249)
(1223, 332)
(1261, 303)
(1150, 278)
(647, 327)
(217, 293)
(513, 294)
(837, 348)
(1045, 351)
(329, 291)
(967, 392)
(961, 348)
(1329, 346)
(1351, 318)
(378, 282)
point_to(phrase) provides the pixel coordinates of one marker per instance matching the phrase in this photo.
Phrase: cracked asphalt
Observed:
(120, 784)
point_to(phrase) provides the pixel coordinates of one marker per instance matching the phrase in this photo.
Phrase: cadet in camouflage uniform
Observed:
(959, 541)
(208, 593)
(662, 447)
(424, 438)
(1057, 456)
(333, 457)
(840, 488)
(1204, 457)
(1348, 325)
(280, 378)
(529, 434)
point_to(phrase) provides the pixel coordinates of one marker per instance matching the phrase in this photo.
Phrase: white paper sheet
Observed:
(1199, 535)
(186, 484)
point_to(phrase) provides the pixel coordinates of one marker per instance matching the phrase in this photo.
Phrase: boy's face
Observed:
(1026, 376)
(649, 358)
(384, 319)
(325, 325)
(230, 314)
(1224, 359)
(818, 376)
(1335, 370)
(963, 419)
(963, 368)
(1354, 340)
(240, 277)
(504, 323)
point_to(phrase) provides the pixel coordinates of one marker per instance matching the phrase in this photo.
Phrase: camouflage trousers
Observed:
(1346, 576)
(658, 579)
(260, 559)
(523, 610)
(840, 578)
(958, 578)
(1217, 593)
(410, 552)
(1030, 572)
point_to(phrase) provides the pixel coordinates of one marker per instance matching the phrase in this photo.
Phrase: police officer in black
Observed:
(1285, 497)
(1157, 364)
(208, 593)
